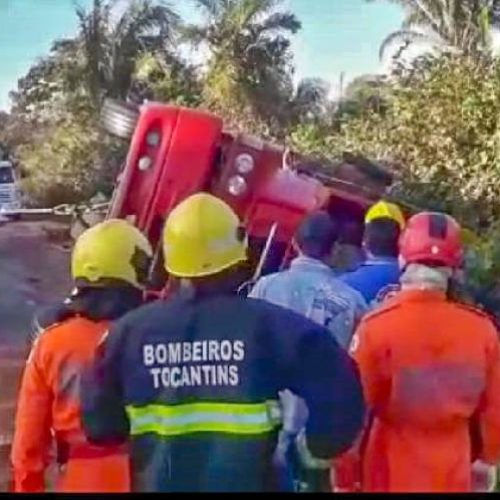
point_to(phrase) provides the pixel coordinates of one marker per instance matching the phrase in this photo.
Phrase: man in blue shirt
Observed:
(380, 272)
(311, 288)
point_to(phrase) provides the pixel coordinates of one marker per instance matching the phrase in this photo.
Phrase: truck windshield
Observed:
(6, 175)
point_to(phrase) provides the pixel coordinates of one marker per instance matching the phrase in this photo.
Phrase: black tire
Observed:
(119, 118)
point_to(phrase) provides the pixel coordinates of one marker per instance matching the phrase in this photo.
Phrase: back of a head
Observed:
(351, 232)
(381, 237)
(111, 253)
(432, 239)
(202, 238)
(431, 251)
(316, 235)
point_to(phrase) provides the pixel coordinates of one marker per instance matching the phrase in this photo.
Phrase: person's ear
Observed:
(401, 262)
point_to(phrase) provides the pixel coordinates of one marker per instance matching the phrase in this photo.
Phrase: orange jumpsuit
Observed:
(48, 407)
(431, 372)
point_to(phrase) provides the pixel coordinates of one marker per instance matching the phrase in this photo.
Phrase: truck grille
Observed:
(6, 196)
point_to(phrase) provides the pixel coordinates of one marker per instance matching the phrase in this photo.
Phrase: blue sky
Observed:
(337, 35)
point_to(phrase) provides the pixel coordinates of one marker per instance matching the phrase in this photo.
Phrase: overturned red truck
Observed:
(175, 152)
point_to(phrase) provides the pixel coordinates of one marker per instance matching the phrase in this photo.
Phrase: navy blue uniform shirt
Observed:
(193, 383)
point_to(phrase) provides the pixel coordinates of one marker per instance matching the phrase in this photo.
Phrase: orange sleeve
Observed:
(489, 410)
(347, 469)
(32, 437)
(375, 383)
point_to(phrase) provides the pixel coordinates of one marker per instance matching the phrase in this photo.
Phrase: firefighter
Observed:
(431, 373)
(203, 371)
(380, 272)
(109, 266)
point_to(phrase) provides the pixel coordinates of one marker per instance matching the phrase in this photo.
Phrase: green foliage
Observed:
(249, 76)
(436, 122)
(484, 258)
(168, 79)
(42, 94)
(365, 93)
(69, 163)
(54, 121)
(110, 49)
(441, 130)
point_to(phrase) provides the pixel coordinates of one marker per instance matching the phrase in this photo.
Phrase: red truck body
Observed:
(176, 152)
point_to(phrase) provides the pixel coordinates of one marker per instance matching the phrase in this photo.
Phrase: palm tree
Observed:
(166, 78)
(457, 26)
(250, 59)
(111, 48)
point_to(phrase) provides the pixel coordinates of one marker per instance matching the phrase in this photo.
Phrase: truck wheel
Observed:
(119, 118)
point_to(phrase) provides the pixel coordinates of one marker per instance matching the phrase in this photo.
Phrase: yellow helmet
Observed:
(202, 237)
(113, 250)
(386, 210)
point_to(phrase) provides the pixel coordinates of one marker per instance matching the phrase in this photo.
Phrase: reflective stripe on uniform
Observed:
(228, 418)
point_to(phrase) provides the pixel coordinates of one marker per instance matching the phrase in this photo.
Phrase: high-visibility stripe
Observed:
(203, 417)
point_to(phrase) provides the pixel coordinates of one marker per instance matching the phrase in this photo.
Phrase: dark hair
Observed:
(381, 237)
(317, 234)
(351, 232)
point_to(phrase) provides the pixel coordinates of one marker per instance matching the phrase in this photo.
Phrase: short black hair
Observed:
(351, 232)
(381, 237)
(317, 234)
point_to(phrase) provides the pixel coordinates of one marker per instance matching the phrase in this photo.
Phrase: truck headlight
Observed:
(153, 139)
(244, 163)
(145, 163)
(237, 185)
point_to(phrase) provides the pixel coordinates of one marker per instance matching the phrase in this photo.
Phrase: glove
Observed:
(280, 457)
(294, 412)
(308, 461)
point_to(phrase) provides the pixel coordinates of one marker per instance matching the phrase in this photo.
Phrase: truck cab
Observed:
(10, 196)
(175, 152)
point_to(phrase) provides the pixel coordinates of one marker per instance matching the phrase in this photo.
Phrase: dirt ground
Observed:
(34, 272)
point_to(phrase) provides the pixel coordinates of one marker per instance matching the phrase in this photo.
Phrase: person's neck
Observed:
(372, 256)
(322, 260)
(424, 286)
(224, 283)
(420, 277)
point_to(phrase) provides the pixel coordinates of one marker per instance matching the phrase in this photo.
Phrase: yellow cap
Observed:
(202, 237)
(385, 210)
(111, 250)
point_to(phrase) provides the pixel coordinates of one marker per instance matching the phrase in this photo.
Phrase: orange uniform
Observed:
(48, 407)
(431, 373)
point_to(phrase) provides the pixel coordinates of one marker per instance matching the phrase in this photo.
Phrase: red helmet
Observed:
(432, 238)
